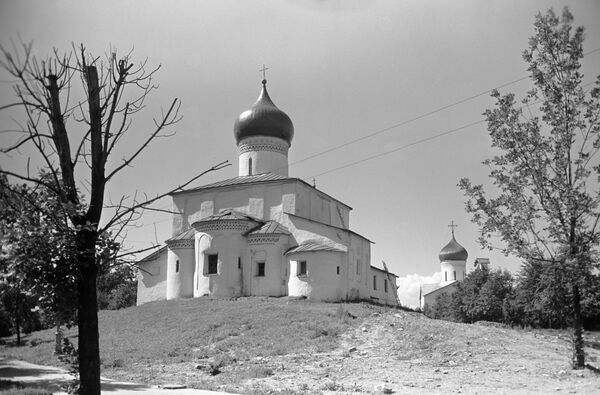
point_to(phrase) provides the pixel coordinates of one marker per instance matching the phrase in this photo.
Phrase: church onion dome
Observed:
(453, 252)
(263, 119)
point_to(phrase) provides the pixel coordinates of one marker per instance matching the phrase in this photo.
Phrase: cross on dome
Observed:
(264, 69)
(452, 226)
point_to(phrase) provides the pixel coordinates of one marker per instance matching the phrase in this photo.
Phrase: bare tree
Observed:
(74, 138)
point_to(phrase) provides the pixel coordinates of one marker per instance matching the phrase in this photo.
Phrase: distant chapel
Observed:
(453, 262)
(263, 232)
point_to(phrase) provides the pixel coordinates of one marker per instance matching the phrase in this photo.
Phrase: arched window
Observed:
(455, 275)
(177, 266)
(445, 276)
(249, 166)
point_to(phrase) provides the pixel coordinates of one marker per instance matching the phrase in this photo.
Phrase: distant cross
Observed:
(452, 226)
(264, 69)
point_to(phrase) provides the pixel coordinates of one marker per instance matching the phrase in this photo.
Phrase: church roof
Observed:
(153, 255)
(263, 119)
(313, 246)
(453, 252)
(228, 214)
(185, 235)
(330, 226)
(270, 227)
(240, 180)
(263, 178)
(383, 271)
(426, 289)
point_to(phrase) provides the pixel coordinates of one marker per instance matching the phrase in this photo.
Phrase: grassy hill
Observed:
(282, 345)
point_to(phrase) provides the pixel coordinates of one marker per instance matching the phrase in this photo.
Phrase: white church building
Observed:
(263, 232)
(453, 262)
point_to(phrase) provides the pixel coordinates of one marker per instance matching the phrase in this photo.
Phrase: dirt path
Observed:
(55, 379)
(407, 353)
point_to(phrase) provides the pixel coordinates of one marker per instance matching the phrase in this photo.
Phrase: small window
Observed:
(385, 286)
(358, 266)
(213, 263)
(454, 275)
(177, 266)
(239, 262)
(445, 276)
(338, 270)
(375, 283)
(302, 268)
(249, 166)
(260, 269)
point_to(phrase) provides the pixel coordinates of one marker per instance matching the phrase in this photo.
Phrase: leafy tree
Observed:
(481, 295)
(117, 288)
(38, 254)
(546, 205)
(74, 133)
(19, 308)
(443, 308)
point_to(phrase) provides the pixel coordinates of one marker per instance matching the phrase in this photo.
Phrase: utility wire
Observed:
(401, 148)
(417, 142)
(424, 115)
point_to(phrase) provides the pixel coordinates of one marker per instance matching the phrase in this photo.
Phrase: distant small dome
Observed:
(453, 252)
(263, 119)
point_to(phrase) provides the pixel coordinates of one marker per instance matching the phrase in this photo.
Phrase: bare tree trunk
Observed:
(578, 352)
(18, 316)
(89, 349)
(58, 340)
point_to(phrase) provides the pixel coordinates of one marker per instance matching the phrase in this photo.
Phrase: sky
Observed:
(342, 71)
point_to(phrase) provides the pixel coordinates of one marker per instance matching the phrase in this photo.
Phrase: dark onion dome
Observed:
(453, 252)
(263, 119)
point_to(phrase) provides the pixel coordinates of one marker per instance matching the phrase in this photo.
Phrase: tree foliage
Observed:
(117, 287)
(546, 205)
(479, 297)
(38, 250)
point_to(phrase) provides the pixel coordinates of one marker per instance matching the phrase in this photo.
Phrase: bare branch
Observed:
(166, 121)
(138, 206)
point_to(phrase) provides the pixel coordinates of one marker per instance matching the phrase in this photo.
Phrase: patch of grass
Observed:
(11, 387)
(135, 342)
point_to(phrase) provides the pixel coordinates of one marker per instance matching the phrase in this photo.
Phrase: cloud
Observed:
(408, 287)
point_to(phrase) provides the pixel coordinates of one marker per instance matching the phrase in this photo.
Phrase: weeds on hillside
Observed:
(15, 388)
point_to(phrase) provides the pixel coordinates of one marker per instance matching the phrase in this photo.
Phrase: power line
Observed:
(400, 148)
(417, 142)
(424, 115)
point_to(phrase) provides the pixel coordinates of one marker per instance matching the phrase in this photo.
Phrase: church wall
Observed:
(180, 280)
(263, 201)
(430, 298)
(273, 281)
(152, 279)
(378, 288)
(229, 247)
(359, 262)
(304, 230)
(260, 201)
(319, 207)
(448, 269)
(321, 281)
